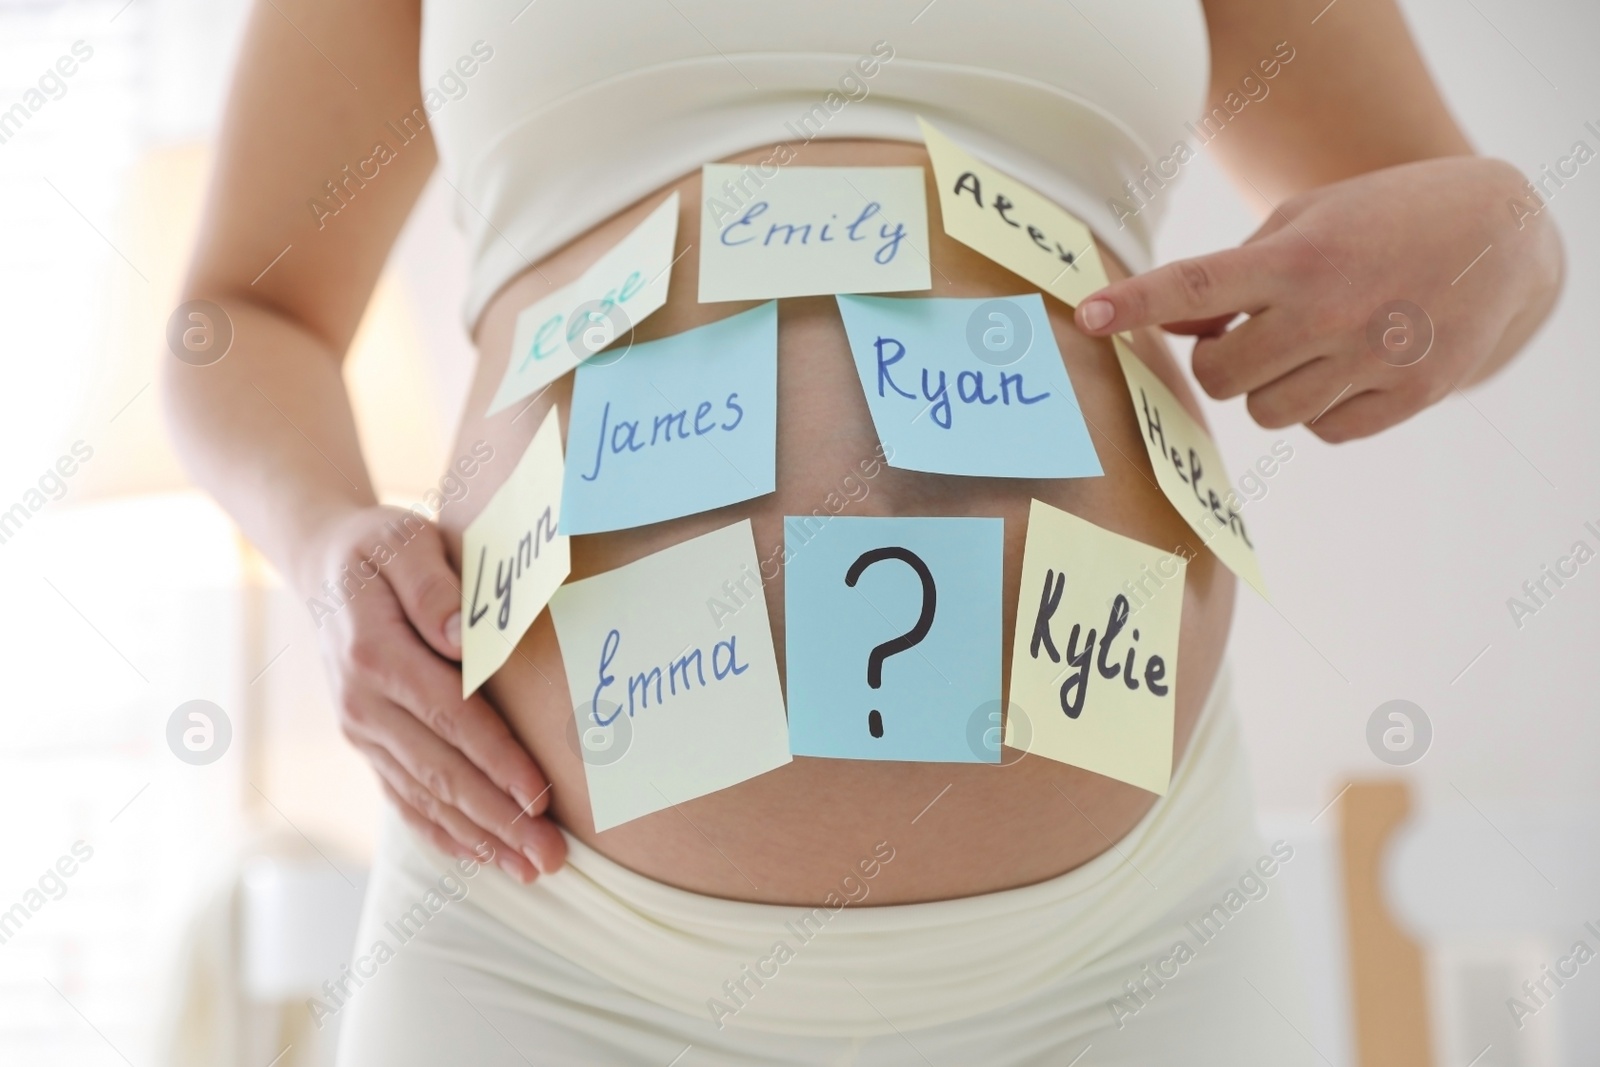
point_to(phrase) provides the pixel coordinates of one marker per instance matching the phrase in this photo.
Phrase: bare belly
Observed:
(789, 836)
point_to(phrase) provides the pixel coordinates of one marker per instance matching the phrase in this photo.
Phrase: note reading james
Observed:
(675, 427)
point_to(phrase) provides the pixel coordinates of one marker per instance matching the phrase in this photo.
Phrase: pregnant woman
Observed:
(830, 911)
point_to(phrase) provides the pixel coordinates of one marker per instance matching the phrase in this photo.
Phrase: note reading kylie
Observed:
(1094, 663)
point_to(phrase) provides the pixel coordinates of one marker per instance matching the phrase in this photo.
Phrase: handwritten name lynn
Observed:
(508, 570)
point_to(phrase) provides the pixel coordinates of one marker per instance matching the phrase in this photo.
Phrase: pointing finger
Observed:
(1184, 292)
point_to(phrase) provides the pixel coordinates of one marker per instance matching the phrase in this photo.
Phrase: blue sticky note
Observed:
(892, 631)
(674, 427)
(969, 386)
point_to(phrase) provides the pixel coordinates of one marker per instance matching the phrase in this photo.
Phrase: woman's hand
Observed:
(1324, 343)
(451, 766)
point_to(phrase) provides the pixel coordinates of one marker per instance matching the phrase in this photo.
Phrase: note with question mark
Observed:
(909, 639)
(892, 631)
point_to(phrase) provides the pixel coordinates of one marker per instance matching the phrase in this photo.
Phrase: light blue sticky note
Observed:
(969, 386)
(674, 427)
(892, 630)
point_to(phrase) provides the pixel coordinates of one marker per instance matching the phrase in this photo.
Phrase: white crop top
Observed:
(574, 109)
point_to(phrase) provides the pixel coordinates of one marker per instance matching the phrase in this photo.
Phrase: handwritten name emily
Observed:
(801, 232)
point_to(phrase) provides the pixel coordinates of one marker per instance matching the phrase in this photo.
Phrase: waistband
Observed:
(874, 970)
(667, 124)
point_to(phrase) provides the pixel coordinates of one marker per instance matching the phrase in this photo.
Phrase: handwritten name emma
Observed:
(684, 672)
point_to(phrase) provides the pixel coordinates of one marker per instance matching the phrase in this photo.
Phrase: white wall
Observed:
(1391, 561)
(1393, 557)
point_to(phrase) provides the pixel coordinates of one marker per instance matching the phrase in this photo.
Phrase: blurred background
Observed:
(170, 909)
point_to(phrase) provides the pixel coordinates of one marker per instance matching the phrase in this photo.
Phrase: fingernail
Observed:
(452, 630)
(521, 798)
(1096, 314)
(533, 858)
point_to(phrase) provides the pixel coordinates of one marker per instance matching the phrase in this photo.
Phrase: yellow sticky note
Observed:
(512, 559)
(672, 698)
(1189, 469)
(618, 291)
(1094, 664)
(812, 231)
(1016, 227)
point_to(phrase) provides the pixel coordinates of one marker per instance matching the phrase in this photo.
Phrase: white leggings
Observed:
(1172, 948)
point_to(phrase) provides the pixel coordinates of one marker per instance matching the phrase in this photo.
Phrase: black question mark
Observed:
(906, 640)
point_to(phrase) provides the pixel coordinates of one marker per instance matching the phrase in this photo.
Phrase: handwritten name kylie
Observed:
(744, 229)
(1224, 509)
(1075, 689)
(628, 435)
(507, 571)
(724, 664)
(970, 386)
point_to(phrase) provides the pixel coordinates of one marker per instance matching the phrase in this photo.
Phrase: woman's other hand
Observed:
(393, 642)
(1459, 237)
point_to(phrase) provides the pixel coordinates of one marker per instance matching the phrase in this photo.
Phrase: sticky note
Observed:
(512, 559)
(618, 292)
(1189, 469)
(675, 427)
(809, 231)
(969, 386)
(1094, 664)
(892, 637)
(996, 215)
(689, 698)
